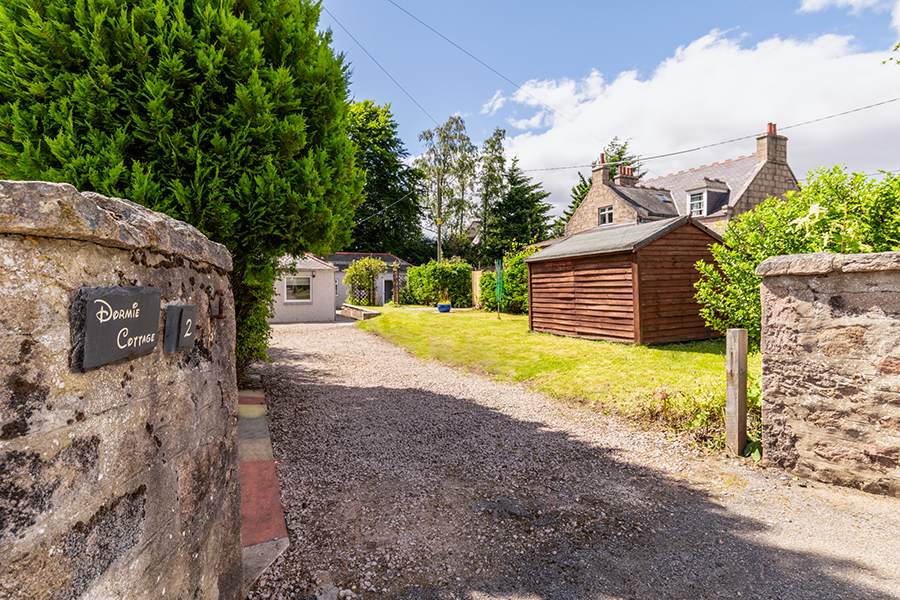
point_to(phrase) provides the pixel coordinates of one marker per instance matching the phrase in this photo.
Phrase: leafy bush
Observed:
(515, 279)
(231, 116)
(515, 282)
(488, 290)
(361, 277)
(430, 282)
(834, 212)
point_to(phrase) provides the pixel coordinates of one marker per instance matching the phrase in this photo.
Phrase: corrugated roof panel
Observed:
(606, 240)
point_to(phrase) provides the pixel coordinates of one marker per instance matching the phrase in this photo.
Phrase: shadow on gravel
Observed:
(500, 508)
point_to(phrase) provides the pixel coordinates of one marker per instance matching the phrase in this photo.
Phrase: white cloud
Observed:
(713, 90)
(494, 104)
(856, 7)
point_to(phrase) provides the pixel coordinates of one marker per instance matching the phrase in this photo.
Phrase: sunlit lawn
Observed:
(622, 377)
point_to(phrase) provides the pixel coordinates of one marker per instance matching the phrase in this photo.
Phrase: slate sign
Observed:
(181, 327)
(120, 323)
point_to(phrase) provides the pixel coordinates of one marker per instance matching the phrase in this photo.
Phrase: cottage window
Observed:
(698, 206)
(298, 289)
(605, 215)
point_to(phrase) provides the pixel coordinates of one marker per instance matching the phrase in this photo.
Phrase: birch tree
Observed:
(448, 164)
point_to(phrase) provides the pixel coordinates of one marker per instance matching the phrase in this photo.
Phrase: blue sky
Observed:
(669, 76)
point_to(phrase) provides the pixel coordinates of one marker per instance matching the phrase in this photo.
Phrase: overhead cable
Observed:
(493, 70)
(738, 139)
(380, 67)
(385, 208)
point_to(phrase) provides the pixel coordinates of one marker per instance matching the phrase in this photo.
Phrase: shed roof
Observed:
(609, 239)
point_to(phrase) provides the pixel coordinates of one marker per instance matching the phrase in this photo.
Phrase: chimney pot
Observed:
(770, 146)
(602, 159)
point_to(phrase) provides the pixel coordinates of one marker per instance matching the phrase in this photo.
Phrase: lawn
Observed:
(681, 385)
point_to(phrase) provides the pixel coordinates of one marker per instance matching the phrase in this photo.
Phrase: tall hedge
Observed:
(228, 114)
(429, 282)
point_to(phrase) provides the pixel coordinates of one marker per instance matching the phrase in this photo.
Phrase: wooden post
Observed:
(736, 390)
(396, 286)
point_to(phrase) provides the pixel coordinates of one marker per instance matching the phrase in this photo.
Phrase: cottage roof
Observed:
(307, 262)
(609, 239)
(342, 260)
(736, 173)
(648, 203)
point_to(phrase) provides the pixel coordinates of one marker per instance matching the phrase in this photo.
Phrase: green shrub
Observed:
(515, 282)
(515, 279)
(361, 277)
(430, 282)
(488, 290)
(232, 116)
(834, 212)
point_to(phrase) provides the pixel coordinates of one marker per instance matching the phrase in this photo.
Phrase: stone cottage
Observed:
(712, 195)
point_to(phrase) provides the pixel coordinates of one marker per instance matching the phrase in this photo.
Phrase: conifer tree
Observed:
(521, 216)
(228, 114)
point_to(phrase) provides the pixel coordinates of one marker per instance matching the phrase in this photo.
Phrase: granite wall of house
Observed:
(831, 368)
(587, 216)
(117, 481)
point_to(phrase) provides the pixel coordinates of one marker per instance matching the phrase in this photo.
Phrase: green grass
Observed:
(679, 385)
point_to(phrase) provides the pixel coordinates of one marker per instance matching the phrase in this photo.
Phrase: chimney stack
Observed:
(625, 176)
(600, 173)
(770, 146)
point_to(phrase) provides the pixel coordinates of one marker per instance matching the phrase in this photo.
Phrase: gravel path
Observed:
(407, 479)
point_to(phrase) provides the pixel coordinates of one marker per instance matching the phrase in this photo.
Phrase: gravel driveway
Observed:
(407, 479)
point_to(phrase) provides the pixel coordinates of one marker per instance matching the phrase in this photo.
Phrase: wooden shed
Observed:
(632, 284)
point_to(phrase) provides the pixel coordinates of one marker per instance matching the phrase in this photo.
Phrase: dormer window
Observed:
(605, 215)
(698, 204)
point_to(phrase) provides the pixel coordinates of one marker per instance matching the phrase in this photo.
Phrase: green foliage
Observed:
(487, 285)
(515, 279)
(492, 181)
(834, 212)
(449, 167)
(435, 281)
(388, 220)
(230, 116)
(515, 282)
(521, 216)
(361, 276)
(617, 155)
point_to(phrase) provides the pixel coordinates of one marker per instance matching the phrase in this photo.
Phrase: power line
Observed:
(493, 70)
(738, 139)
(380, 67)
(385, 208)
(847, 112)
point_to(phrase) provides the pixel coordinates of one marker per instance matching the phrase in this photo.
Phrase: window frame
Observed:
(287, 280)
(604, 211)
(702, 200)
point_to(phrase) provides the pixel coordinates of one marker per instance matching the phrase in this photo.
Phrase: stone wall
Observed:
(831, 368)
(117, 482)
(587, 214)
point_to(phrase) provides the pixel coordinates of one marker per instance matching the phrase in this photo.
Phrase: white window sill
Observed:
(298, 301)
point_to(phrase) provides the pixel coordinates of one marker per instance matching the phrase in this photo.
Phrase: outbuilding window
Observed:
(298, 289)
(605, 215)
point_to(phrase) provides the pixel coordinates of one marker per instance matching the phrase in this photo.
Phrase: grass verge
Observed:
(681, 386)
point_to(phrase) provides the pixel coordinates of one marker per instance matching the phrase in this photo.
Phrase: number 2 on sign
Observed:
(190, 329)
